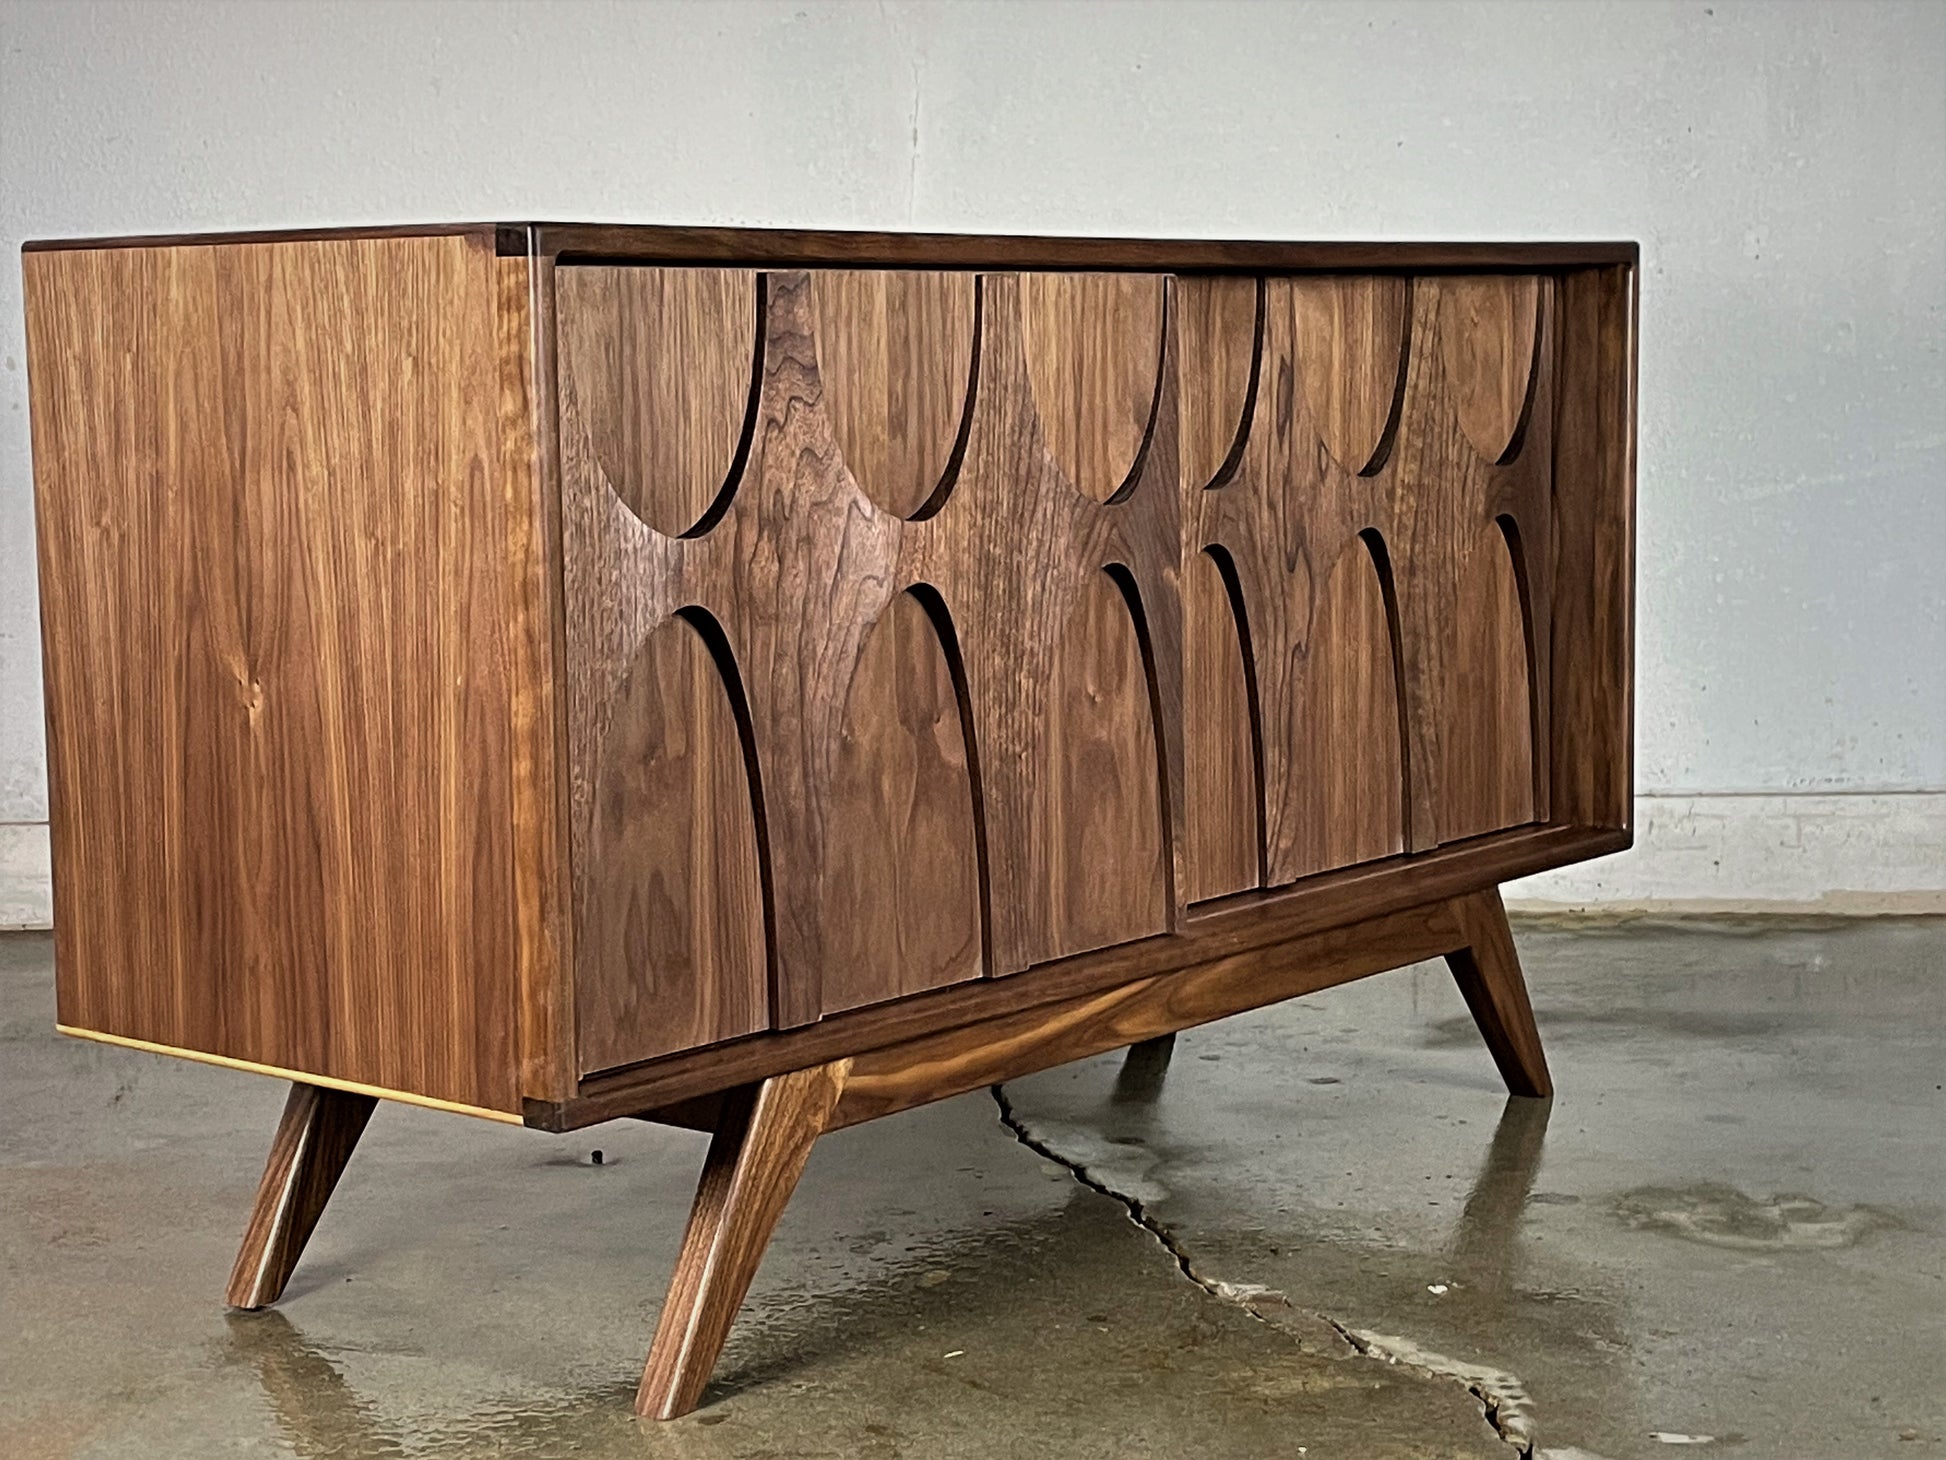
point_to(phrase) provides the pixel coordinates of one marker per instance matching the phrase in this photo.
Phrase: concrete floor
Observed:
(1726, 1235)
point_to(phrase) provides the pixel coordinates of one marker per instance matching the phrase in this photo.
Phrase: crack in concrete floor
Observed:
(1503, 1403)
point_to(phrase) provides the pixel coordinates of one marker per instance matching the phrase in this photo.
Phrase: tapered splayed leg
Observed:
(1488, 972)
(763, 1138)
(314, 1139)
(1139, 1082)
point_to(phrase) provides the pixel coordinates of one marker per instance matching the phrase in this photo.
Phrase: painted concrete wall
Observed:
(1782, 165)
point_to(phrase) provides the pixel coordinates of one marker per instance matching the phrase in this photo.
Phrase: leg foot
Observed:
(1488, 972)
(764, 1136)
(1139, 1082)
(314, 1139)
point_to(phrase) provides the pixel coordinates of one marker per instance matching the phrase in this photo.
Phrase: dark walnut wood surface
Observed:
(521, 665)
(276, 606)
(765, 680)
(1354, 579)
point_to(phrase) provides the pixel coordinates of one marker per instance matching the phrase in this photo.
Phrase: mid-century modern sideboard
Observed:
(761, 681)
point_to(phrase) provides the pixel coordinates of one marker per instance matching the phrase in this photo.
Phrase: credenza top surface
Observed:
(791, 248)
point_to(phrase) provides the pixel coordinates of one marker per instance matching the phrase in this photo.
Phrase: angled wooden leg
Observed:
(763, 1137)
(1155, 1051)
(314, 1139)
(1488, 972)
(1139, 1081)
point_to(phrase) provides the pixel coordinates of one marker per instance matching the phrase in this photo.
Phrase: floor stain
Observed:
(1721, 1216)
(937, 1291)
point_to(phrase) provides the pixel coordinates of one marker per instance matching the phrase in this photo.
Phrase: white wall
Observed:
(1784, 167)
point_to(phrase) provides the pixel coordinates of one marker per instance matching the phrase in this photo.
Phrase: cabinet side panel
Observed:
(1593, 651)
(276, 614)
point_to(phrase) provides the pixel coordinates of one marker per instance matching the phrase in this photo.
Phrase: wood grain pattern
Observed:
(315, 1138)
(1097, 858)
(1338, 750)
(802, 562)
(370, 551)
(784, 248)
(1487, 740)
(895, 355)
(1094, 350)
(1016, 1044)
(763, 1134)
(1350, 347)
(1466, 600)
(1229, 926)
(1222, 805)
(1488, 972)
(903, 914)
(755, 1159)
(276, 615)
(1592, 600)
(542, 889)
(670, 352)
(1009, 1044)
(670, 923)
(1490, 329)
(1216, 321)
(1014, 555)
(564, 669)
(1358, 435)
(791, 248)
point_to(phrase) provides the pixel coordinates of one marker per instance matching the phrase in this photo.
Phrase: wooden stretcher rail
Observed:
(1251, 924)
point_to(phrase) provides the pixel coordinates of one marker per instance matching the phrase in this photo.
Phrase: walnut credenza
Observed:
(762, 680)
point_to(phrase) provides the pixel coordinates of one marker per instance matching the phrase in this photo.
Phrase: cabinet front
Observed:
(931, 626)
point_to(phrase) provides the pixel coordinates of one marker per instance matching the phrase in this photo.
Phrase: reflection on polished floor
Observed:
(1319, 1229)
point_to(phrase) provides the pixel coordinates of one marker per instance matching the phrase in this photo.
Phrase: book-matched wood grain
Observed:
(315, 1137)
(763, 1137)
(1371, 491)
(1055, 613)
(895, 357)
(1064, 601)
(669, 933)
(1399, 437)
(665, 381)
(277, 618)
